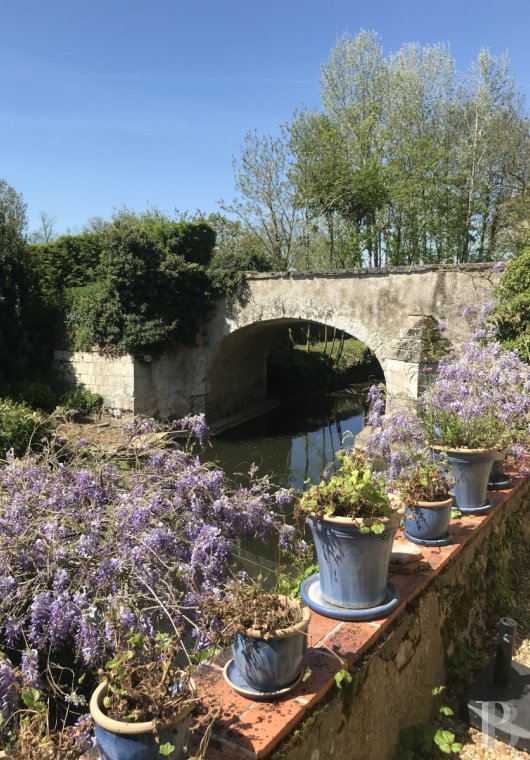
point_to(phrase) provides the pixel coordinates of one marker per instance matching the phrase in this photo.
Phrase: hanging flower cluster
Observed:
(82, 543)
(479, 398)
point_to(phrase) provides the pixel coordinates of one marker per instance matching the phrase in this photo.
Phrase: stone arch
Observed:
(236, 375)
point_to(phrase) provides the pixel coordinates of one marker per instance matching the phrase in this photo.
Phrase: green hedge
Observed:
(153, 287)
(21, 428)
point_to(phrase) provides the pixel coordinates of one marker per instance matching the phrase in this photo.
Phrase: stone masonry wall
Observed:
(112, 378)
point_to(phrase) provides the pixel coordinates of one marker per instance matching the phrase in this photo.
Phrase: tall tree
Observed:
(353, 92)
(16, 288)
(419, 98)
(267, 199)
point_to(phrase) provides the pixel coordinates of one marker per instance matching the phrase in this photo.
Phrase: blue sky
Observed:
(106, 103)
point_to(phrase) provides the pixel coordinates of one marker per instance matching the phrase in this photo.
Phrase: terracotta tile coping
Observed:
(247, 729)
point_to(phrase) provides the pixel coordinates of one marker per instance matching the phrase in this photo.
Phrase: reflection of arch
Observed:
(236, 377)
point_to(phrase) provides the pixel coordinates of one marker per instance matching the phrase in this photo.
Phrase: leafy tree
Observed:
(353, 93)
(153, 288)
(267, 200)
(323, 176)
(16, 287)
(513, 310)
(408, 161)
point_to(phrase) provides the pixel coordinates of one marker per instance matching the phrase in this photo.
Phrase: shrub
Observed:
(81, 401)
(153, 288)
(21, 428)
(38, 394)
(513, 310)
(70, 261)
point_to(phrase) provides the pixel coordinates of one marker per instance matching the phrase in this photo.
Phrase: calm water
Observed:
(294, 442)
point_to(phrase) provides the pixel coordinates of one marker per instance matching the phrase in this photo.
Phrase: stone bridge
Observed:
(392, 310)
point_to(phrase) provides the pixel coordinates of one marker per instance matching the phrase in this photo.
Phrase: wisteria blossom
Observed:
(479, 398)
(82, 543)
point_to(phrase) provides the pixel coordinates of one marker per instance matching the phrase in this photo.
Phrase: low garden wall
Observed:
(111, 377)
(395, 662)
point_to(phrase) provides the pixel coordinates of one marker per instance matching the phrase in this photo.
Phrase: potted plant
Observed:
(268, 634)
(420, 479)
(425, 487)
(477, 405)
(142, 708)
(353, 519)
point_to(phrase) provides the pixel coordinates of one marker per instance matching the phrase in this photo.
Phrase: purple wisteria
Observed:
(479, 398)
(83, 544)
(396, 437)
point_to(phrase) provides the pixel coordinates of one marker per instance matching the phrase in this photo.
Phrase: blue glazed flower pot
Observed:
(353, 566)
(135, 741)
(428, 521)
(471, 469)
(272, 663)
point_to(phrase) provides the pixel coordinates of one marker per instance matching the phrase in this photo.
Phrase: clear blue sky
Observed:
(106, 103)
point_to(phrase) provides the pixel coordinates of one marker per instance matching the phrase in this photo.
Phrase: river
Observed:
(293, 443)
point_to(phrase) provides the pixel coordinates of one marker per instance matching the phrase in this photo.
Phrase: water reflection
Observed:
(293, 443)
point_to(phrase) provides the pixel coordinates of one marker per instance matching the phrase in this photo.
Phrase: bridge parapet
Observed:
(394, 310)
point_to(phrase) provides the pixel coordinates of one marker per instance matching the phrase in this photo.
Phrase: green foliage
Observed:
(342, 677)
(38, 394)
(425, 741)
(445, 741)
(464, 662)
(355, 491)
(71, 261)
(314, 370)
(81, 401)
(237, 252)
(17, 290)
(289, 585)
(21, 428)
(153, 288)
(512, 314)
(407, 161)
(235, 246)
(415, 742)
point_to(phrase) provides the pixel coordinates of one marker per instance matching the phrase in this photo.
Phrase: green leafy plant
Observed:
(355, 491)
(21, 428)
(445, 741)
(144, 682)
(81, 401)
(343, 677)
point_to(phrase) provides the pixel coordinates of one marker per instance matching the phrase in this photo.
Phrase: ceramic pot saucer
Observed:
(443, 541)
(499, 481)
(476, 510)
(312, 596)
(233, 677)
